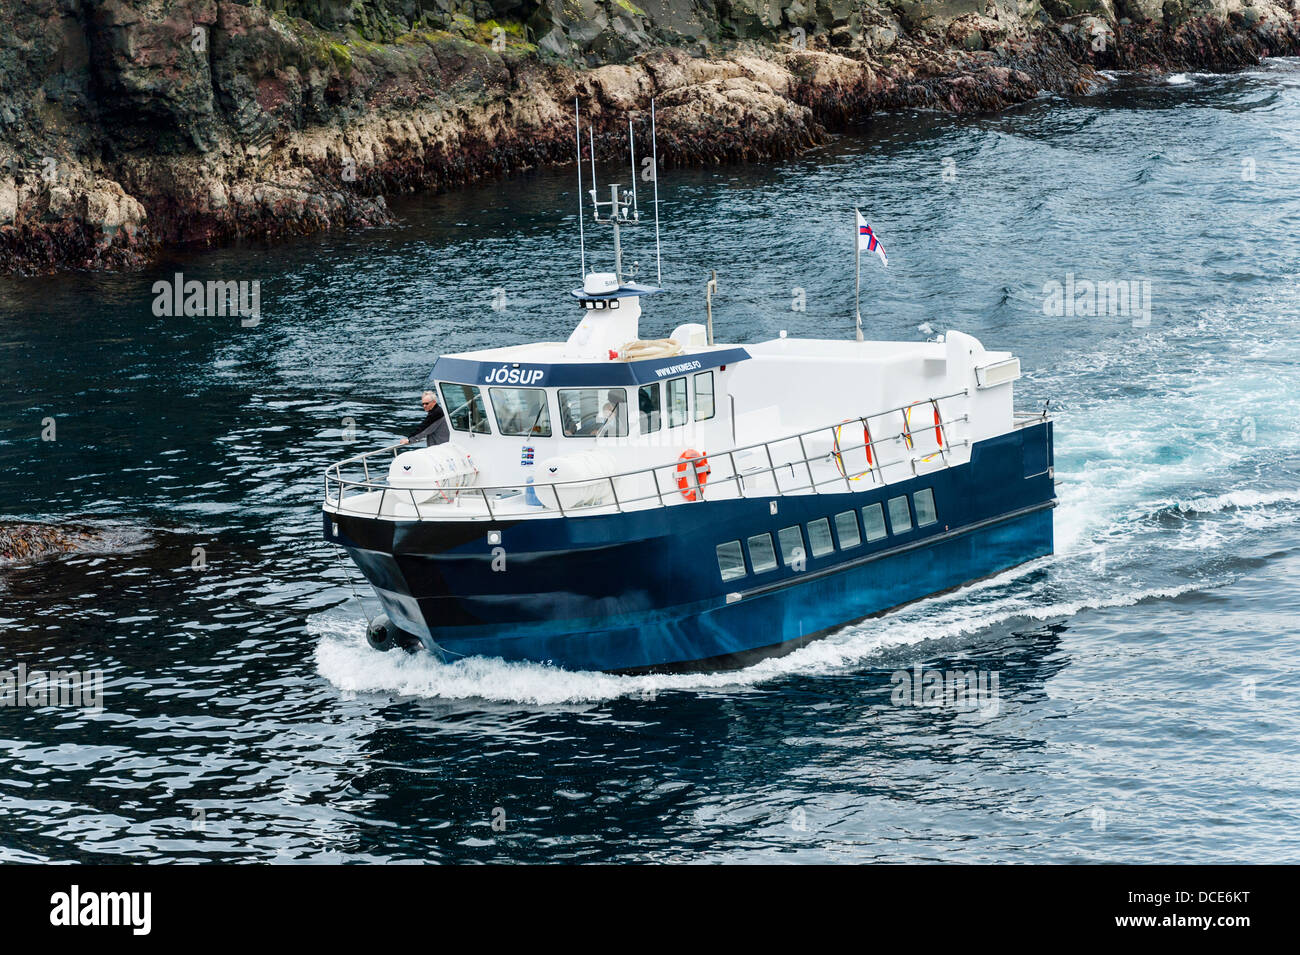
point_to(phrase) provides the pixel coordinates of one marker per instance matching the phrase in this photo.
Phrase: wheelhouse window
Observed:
(762, 556)
(593, 412)
(704, 396)
(923, 501)
(677, 407)
(873, 522)
(521, 411)
(731, 562)
(846, 529)
(463, 405)
(900, 518)
(792, 552)
(819, 537)
(650, 404)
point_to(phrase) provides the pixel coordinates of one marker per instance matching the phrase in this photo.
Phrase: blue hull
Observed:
(643, 591)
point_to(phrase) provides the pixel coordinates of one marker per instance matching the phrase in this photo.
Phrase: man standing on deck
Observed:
(434, 426)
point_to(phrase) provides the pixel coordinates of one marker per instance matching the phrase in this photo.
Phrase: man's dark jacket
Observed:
(433, 427)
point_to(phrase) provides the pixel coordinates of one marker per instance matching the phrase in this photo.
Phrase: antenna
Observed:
(709, 289)
(582, 239)
(591, 138)
(622, 207)
(654, 146)
(631, 144)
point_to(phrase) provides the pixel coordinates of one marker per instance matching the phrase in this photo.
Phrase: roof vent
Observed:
(600, 283)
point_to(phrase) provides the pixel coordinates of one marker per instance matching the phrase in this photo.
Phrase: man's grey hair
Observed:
(428, 394)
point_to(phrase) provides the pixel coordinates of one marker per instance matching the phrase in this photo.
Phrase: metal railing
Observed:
(764, 479)
(1022, 418)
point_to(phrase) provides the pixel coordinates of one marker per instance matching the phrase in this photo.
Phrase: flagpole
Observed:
(857, 274)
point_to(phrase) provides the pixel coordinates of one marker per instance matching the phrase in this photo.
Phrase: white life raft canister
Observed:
(431, 472)
(585, 469)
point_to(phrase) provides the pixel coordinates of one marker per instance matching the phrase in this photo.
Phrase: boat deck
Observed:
(830, 459)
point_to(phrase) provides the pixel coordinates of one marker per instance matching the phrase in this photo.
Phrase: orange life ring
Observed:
(699, 463)
(907, 426)
(838, 453)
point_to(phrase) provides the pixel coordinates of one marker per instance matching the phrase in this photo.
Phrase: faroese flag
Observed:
(867, 241)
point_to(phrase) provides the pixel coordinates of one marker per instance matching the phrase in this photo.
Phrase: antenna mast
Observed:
(619, 209)
(631, 144)
(654, 146)
(622, 207)
(582, 239)
(591, 142)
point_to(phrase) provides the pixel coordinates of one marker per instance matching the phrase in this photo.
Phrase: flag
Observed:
(867, 240)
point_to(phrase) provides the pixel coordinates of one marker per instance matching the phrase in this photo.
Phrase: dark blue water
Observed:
(1148, 706)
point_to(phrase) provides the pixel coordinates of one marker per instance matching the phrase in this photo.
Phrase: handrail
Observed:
(737, 478)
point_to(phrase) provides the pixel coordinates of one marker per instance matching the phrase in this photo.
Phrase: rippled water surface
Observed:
(1147, 708)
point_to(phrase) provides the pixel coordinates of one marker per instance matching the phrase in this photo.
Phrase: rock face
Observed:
(27, 542)
(128, 125)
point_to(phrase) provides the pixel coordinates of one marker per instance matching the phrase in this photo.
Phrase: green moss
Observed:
(511, 27)
(514, 33)
(452, 39)
(631, 8)
(341, 55)
(320, 48)
(363, 45)
(328, 49)
(283, 18)
(426, 36)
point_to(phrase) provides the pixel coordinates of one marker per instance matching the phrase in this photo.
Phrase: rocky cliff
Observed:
(128, 125)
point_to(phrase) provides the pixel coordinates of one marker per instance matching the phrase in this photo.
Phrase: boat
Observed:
(619, 504)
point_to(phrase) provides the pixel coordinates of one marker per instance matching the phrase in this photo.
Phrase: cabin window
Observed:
(521, 411)
(819, 537)
(923, 501)
(463, 406)
(762, 556)
(704, 396)
(677, 410)
(846, 529)
(731, 562)
(792, 552)
(873, 522)
(593, 412)
(900, 518)
(649, 401)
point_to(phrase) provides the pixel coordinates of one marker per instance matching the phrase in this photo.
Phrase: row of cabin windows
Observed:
(584, 412)
(820, 542)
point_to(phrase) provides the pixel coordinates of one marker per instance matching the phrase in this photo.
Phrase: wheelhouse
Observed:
(511, 414)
